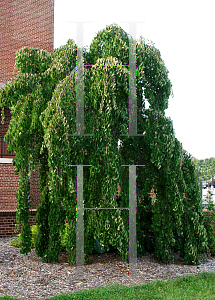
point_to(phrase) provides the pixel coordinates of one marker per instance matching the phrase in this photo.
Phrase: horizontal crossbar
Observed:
(86, 134)
(106, 208)
(120, 165)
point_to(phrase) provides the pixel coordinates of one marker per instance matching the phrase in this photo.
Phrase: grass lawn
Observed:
(196, 287)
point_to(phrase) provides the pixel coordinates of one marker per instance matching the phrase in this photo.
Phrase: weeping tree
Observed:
(42, 100)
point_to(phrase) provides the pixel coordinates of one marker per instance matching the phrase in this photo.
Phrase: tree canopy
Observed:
(42, 99)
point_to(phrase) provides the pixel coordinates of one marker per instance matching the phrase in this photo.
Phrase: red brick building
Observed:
(28, 23)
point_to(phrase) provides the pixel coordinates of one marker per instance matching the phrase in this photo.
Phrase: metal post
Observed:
(79, 224)
(80, 83)
(201, 188)
(79, 86)
(2, 138)
(132, 81)
(132, 221)
(132, 132)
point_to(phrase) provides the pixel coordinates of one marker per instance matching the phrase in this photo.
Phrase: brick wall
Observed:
(9, 183)
(8, 222)
(30, 24)
(4, 128)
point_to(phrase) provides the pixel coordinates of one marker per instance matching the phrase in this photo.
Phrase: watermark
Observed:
(132, 247)
(132, 131)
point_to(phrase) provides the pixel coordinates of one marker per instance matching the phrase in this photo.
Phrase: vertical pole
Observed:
(80, 132)
(132, 81)
(29, 179)
(201, 188)
(2, 139)
(79, 224)
(80, 84)
(132, 169)
(132, 256)
(213, 171)
(200, 182)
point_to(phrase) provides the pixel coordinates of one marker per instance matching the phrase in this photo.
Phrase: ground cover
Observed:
(196, 287)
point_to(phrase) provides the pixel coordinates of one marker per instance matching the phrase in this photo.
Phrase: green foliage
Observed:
(32, 61)
(205, 169)
(16, 241)
(209, 220)
(42, 98)
(212, 245)
(210, 228)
